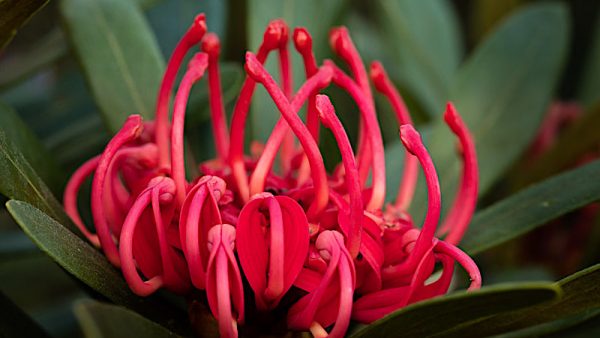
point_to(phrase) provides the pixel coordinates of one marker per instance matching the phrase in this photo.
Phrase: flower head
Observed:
(322, 247)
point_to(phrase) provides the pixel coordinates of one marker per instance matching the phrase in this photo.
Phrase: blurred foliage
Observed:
(76, 68)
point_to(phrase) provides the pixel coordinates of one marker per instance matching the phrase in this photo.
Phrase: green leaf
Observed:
(87, 264)
(316, 16)
(18, 64)
(502, 92)
(14, 322)
(31, 148)
(581, 292)
(590, 76)
(577, 140)
(13, 15)
(20, 181)
(426, 318)
(424, 43)
(119, 55)
(532, 207)
(105, 320)
(554, 327)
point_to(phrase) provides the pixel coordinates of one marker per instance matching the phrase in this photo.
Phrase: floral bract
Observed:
(323, 247)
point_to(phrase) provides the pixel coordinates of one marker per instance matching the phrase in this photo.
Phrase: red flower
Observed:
(323, 247)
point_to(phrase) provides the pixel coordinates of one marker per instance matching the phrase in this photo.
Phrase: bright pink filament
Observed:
(199, 213)
(303, 43)
(331, 121)
(212, 47)
(160, 190)
(310, 312)
(224, 283)
(464, 260)
(413, 143)
(456, 222)
(256, 70)
(195, 71)
(342, 44)
(193, 36)
(409, 176)
(71, 193)
(373, 134)
(130, 131)
(272, 39)
(265, 162)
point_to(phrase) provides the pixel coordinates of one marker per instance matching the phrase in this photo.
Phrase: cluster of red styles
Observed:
(327, 242)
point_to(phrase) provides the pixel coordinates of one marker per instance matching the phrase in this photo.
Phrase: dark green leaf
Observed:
(19, 64)
(533, 207)
(105, 320)
(16, 323)
(581, 292)
(502, 92)
(85, 263)
(20, 181)
(425, 45)
(14, 14)
(553, 327)
(431, 316)
(590, 76)
(316, 16)
(31, 148)
(119, 55)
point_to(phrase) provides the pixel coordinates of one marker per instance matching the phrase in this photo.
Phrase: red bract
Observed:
(321, 247)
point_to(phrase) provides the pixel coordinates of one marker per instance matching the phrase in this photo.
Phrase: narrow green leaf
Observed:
(554, 327)
(87, 264)
(502, 92)
(18, 64)
(13, 15)
(533, 207)
(105, 320)
(20, 181)
(431, 316)
(14, 322)
(590, 76)
(316, 16)
(31, 148)
(119, 56)
(425, 44)
(581, 292)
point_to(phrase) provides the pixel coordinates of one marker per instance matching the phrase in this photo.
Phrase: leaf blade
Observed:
(118, 54)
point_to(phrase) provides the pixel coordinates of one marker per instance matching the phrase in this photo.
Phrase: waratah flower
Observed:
(323, 248)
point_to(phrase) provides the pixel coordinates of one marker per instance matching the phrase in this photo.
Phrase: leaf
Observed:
(431, 316)
(14, 322)
(581, 292)
(119, 55)
(424, 43)
(590, 76)
(105, 320)
(20, 181)
(13, 15)
(502, 92)
(561, 325)
(87, 264)
(19, 64)
(577, 140)
(31, 148)
(532, 207)
(316, 16)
